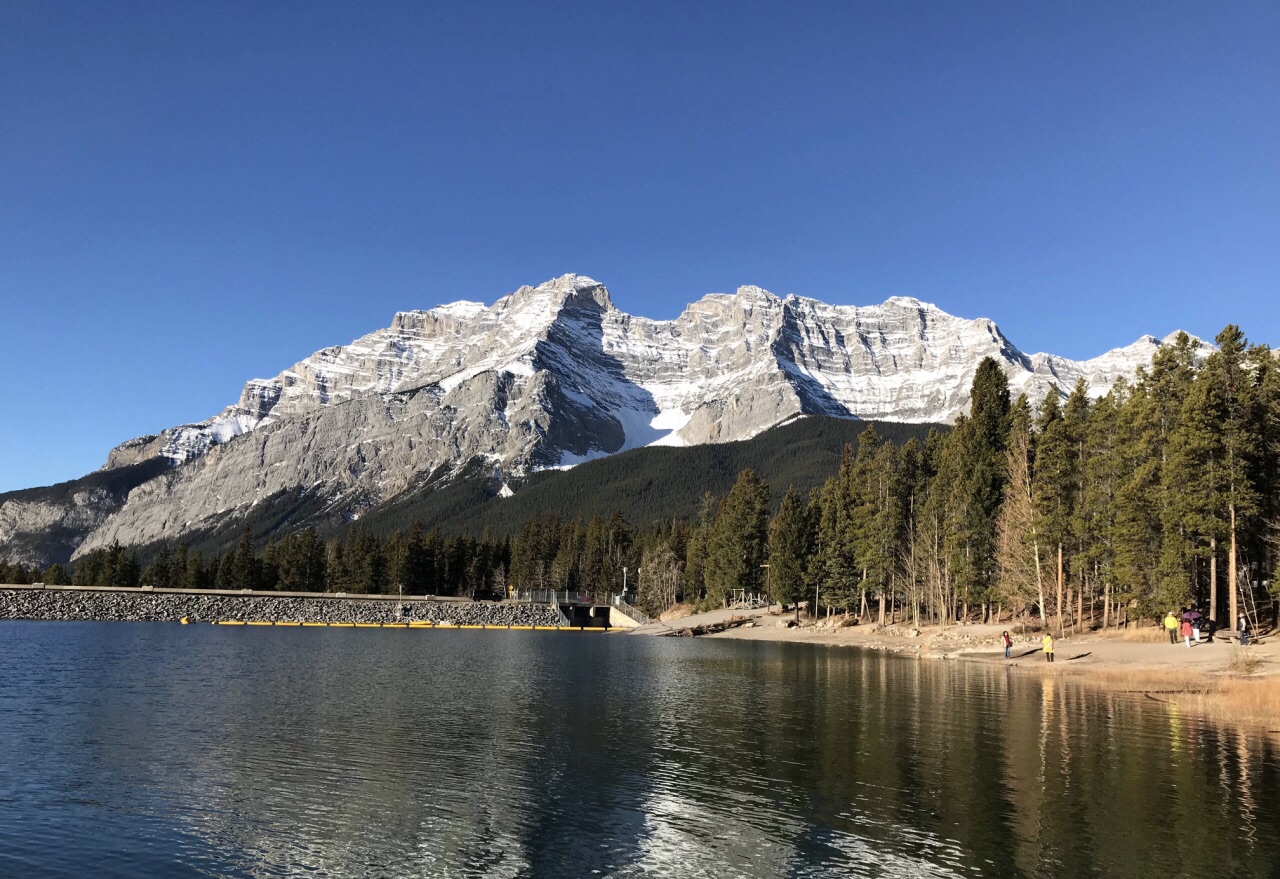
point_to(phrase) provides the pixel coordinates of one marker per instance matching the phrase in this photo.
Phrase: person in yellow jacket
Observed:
(1171, 626)
(1046, 644)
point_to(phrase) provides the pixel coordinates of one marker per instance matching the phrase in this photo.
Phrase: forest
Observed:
(1065, 511)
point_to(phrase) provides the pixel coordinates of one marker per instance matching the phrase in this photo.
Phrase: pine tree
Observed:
(1102, 475)
(197, 575)
(54, 575)
(977, 483)
(791, 542)
(160, 572)
(244, 572)
(1021, 579)
(1227, 422)
(417, 562)
(181, 568)
(738, 541)
(696, 550)
(1147, 537)
(1054, 488)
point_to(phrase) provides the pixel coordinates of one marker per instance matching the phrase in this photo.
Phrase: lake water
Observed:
(153, 750)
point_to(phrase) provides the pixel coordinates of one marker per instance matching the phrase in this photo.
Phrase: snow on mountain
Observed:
(554, 375)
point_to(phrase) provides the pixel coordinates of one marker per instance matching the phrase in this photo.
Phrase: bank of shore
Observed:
(107, 605)
(1214, 679)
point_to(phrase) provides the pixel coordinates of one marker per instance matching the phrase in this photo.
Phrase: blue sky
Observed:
(192, 195)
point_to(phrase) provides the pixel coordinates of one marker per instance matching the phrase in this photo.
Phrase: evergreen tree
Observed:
(1221, 413)
(1021, 576)
(244, 573)
(1102, 474)
(54, 575)
(738, 540)
(160, 572)
(696, 550)
(181, 573)
(1054, 488)
(791, 541)
(197, 575)
(977, 482)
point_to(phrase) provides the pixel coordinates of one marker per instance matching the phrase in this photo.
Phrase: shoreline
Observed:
(1215, 680)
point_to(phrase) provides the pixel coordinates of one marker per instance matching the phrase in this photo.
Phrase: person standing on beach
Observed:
(1186, 632)
(1047, 645)
(1008, 642)
(1171, 625)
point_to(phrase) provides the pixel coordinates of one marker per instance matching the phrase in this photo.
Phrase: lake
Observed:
(157, 750)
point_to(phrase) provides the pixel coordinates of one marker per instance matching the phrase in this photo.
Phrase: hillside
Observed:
(646, 485)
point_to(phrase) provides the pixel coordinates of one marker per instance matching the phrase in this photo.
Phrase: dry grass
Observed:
(1239, 700)
(1144, 634)
(1243, 662)
(676, 612)
(1172, 680)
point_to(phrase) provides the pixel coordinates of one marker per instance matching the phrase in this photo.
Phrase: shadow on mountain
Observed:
(814, 398)
(599, 411)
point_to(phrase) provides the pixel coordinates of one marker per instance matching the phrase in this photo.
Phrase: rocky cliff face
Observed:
(554, 375)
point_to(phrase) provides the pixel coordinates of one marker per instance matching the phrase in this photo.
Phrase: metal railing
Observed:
(553, 596)
(564, 620)
(638, 615)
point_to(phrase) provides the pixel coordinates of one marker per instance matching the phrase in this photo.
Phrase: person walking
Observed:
(1195, 629)
(1046, 644)
(1007, 641)
(1242, 626)
(1171, 625)
(1186, 632)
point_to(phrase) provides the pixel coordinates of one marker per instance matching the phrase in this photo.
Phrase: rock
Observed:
(59, 604)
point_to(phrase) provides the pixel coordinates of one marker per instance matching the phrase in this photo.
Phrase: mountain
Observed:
(647, 486)
(552, 376)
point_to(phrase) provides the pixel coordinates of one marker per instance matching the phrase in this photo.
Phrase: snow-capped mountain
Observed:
(555, 375)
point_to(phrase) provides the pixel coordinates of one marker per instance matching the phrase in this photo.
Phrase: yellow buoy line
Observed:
(416, 624)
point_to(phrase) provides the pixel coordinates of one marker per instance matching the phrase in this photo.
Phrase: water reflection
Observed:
(136, 749)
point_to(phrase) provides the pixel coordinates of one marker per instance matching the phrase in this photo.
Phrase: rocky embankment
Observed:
(42, 604)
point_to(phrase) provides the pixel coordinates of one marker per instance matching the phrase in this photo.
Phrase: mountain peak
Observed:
(752, 292)
(557, 292)
(910, 302)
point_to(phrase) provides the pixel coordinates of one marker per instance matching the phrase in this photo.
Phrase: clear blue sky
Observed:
(192, 195)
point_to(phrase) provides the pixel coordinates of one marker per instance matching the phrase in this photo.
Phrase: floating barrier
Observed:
(414, 624)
